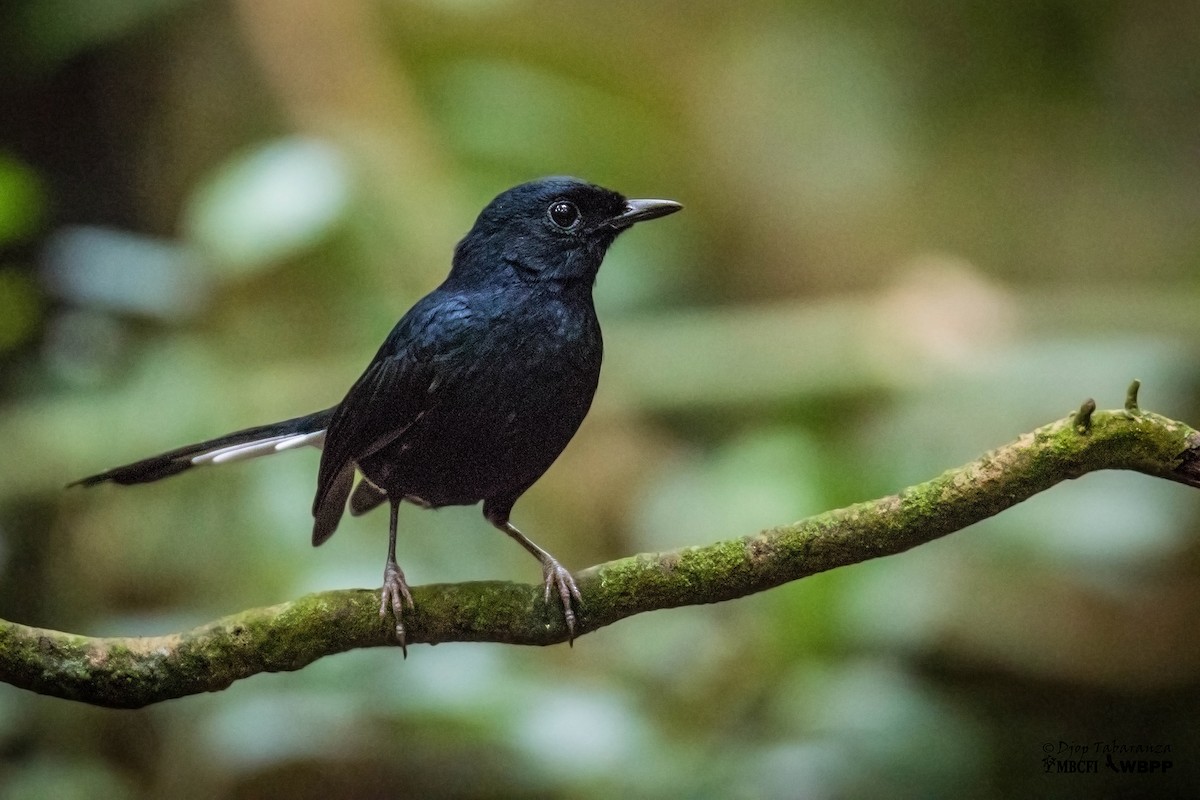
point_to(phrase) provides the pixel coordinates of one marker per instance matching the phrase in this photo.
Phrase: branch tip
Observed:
(1083, 417)
(1131, 398)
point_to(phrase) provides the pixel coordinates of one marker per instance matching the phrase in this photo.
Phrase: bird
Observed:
(475, 392)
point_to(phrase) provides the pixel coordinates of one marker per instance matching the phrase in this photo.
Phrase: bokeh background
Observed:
(912, 232)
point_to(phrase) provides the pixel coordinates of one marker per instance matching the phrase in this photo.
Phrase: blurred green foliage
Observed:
(912, 232)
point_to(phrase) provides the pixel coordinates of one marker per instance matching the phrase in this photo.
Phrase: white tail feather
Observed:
(259, 447)
(316, 439)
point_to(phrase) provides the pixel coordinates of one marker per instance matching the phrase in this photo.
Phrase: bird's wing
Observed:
(394, 391)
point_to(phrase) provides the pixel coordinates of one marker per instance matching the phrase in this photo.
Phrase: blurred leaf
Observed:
(1105, 530)
(82, 348)
(114, 270)
(764, 478)
(51, 31)
(900, 738)
(269, 205)
(22, 201)
(835, 142)
(64, 779)
(1003, 389)
(601, 730)
(544, 123)
(20, 308)
(273, 726)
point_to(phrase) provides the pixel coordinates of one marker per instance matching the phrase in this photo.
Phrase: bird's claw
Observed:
(394, 596)
(555, 576)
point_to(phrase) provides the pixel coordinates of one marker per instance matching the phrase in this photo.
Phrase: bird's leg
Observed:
(554, 575)
(395, 592)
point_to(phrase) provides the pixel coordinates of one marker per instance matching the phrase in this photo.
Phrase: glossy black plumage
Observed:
(477, 389)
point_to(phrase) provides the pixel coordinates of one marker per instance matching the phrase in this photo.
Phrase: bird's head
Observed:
(553, 229)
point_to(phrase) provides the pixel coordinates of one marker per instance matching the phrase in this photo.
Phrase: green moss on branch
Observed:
(134, 672)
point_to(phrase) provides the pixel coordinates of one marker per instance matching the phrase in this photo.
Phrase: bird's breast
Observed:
(549, 334)
(501, 415)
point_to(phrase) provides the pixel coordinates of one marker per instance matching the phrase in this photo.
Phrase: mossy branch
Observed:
(134, 672)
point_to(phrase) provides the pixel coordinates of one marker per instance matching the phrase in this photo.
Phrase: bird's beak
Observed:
(641, 210)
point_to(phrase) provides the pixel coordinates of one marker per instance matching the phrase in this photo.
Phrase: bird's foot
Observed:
(394, 596)
(556, 577)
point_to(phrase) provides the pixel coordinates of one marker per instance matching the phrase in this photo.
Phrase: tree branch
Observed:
(134, 672)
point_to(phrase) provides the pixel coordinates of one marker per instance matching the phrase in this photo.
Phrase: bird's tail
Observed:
(263, 440)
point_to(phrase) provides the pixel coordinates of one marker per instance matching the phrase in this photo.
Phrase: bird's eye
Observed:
(563, 214)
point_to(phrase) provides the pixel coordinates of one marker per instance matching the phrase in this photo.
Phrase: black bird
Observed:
(474, 393)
